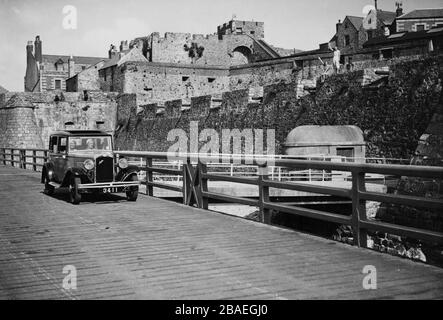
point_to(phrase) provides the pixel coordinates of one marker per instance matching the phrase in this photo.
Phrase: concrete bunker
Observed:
(345, 143)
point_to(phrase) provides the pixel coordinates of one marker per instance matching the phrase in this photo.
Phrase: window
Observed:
(185, 78)
(347, 40)
(369, 34)
(239, 30)
(252, 32)
(346, 153)
(62, 144)
(58, 84)
(83, 67)
(346, 25)
(387, 53)
(210, 80)
(420, 27)
(53, 144)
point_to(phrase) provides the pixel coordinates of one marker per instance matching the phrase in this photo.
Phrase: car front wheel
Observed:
(74, 194)
(132, 194)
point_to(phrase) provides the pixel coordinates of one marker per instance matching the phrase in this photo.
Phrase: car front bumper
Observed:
(108, 187)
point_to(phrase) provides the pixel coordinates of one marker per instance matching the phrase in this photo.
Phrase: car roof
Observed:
(80, 133)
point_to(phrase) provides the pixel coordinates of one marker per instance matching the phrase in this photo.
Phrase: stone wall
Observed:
(27, 119)
(393, 112)
(171, 81)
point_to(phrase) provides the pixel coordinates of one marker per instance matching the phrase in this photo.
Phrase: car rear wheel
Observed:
(49, 190)
(74, 195)
(132, 194)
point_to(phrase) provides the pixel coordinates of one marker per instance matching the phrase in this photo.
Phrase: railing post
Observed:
(263, 193)
(12, 158)
(203, 184)
(149, 178)
(358, 209)
(22, 158)
(185, 181)
(4, 156)
(34, 160)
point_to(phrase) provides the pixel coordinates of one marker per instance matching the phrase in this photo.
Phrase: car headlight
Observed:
(123, 163)
(88, 164)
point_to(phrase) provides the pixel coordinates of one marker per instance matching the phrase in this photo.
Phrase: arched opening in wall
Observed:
(100, 124)
(69, 125)
(241, 55)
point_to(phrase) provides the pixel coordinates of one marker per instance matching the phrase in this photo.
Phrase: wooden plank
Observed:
(155, 249)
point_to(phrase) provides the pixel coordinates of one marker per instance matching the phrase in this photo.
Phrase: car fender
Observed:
(124, 174)
(76, 172)
(48, 169)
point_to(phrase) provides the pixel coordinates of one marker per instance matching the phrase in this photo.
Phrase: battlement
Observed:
(179, 36)
(54, 97)
(252, 28)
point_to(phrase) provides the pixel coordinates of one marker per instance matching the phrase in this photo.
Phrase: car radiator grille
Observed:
(104, 171)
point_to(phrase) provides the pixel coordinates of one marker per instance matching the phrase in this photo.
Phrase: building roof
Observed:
(356, 21)
(18, 100)
(324, 135)
(3, 90)
(51, 58)
(403, 37)
(423, 13)
(111, 62)
(386, 17)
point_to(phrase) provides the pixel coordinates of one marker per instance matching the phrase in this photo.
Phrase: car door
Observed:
(58, 156)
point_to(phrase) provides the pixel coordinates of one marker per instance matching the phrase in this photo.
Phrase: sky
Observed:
(300, 24)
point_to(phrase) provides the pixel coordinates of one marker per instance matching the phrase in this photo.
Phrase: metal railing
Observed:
(195, 177)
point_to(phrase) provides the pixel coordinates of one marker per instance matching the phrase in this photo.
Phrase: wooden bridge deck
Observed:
(155, 249)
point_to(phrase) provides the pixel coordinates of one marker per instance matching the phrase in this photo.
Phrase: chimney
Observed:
(338, 25)
(38, 49)
(399, 10)
(71, 66)
(375, 4)
(29, 48)
(112, 51)
(124, 45)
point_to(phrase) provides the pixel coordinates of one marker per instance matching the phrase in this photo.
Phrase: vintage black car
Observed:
(83, 161)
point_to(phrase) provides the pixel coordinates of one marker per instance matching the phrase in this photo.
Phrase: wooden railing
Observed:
(195, 191)
(195, 177)
(24, 158)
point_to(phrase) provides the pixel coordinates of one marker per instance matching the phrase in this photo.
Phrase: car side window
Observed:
(62, 144)
(53, 144)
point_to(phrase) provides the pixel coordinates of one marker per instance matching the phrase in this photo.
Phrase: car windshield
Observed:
(89, 143)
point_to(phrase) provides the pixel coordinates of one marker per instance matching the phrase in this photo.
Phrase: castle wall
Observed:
(170, 49)
(30, 127)
(168, 81)
(392, 116)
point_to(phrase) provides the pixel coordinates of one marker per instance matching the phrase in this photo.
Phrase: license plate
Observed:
(110, 190)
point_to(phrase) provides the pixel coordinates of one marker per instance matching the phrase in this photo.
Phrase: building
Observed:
(379, 23)
(419, 43)
(419, 20)
(46, 72)
(349, 35)
(183, 65)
